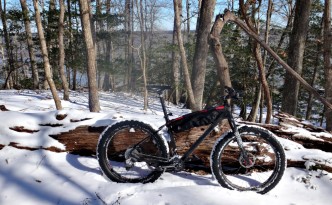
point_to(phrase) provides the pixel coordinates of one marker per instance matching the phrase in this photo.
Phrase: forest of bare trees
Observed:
(276, 53)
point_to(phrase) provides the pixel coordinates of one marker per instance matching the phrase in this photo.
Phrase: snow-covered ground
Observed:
(45, 177)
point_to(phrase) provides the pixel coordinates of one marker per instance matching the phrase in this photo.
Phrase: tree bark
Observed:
(129, 46)
(62, 52)
(177, 9)
(218, 55)
(175, 68)
(34, 69)
(70, 58)
(91, 58)
(327, 61)
(47, 66)
(295, 56)
(265, 85)
(254, 110)
(201, 51)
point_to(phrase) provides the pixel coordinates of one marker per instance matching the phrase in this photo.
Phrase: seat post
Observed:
(162, 101)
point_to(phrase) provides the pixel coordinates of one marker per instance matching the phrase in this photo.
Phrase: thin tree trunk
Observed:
(188, 19)
(266, 40)
(254, 110)
(258, 57)
(129, 49)
(70, 57)
(91, 56)
(50, 30)
(201, 51)
(263, 80)
(327, 61)
(34, 69)
(295, 56)
(9, 49)
(62, 52)
(142, 52)
(313, 80)
(108, 51)
(177, 9)
(47, 66)
(176, 68)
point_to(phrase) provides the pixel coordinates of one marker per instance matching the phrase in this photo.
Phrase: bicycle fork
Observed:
(244, 158)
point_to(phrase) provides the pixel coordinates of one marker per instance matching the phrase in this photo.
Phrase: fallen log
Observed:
(81, 141)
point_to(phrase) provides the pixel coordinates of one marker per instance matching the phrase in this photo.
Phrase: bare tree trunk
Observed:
(69, 68)
(50, 37)
(142, 53)
(263, 80)
(254, 110)
(34, 69)
(91, 58)
(176, 68)
(295, 56)
(129, 48)
(258, 56)
(62, 52)
(313, 80)
(47, 66)
(108, 52)
(177, 9)
(327, 61)
(260, 103)
(201, 51)
(219, 58)
(188, 19)
(9, 49)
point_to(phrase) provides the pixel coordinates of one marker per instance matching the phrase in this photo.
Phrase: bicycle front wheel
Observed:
(259, 170)
(119, 150)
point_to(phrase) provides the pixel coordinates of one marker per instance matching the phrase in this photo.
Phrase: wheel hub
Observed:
(248, 161)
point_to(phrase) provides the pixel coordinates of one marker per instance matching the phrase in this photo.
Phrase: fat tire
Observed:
(108, 136)
(280, 161)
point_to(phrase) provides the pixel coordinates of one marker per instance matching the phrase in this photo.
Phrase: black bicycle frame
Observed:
(226, 114)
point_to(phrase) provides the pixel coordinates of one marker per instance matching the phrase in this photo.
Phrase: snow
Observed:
(45, 177)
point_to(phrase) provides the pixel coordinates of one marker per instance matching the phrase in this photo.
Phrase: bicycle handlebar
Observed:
(158, 88)
(231, 93)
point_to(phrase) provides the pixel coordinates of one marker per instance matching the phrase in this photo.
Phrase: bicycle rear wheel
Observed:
(118, 149)
(261, 172)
